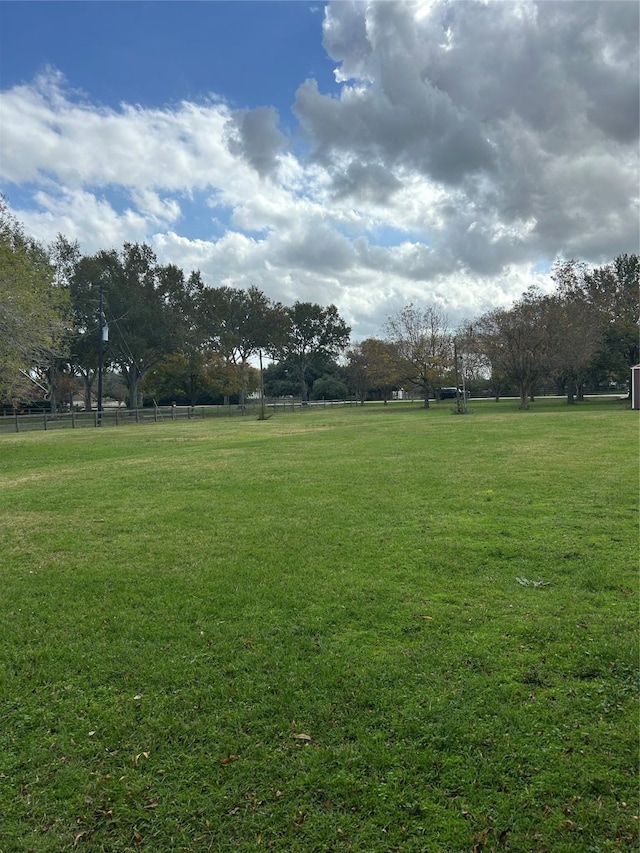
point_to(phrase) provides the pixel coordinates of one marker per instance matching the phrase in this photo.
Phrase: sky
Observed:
(361, 154)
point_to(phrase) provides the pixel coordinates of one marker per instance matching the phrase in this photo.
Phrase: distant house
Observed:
(635, 386)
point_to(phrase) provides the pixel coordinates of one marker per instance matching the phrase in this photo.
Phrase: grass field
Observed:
(378, 629)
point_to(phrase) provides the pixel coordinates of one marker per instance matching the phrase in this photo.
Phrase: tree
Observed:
(574, 327)
(515, 342)
(237, 324)
(58, 370)
(311, 333)
(373, 365)
(613, 291)
(140, 305)
(424, 346)
(84, 287)
(329, 388)
(184, 299)
(33, 311)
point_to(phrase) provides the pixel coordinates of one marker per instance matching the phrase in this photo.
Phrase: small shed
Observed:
(635, 386)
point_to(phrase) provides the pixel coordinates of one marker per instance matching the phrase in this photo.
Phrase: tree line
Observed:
(171, 337)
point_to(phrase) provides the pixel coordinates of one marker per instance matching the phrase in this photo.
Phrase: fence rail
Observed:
(114, 416)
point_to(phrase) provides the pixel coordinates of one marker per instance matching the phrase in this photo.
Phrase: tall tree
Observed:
(312, 332)
(602, 313)
(140, 301)
(574, 327)
(33, 309)
(516, 342)
(59, 370)
(613, 290)
(424, 345)
(373, 365)
(238, 324)
(84, 289)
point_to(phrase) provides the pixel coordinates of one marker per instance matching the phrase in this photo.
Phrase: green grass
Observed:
(446, 607)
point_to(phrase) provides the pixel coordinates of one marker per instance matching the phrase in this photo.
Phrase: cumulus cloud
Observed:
(469, 145)
(254, 135)
(515, 105)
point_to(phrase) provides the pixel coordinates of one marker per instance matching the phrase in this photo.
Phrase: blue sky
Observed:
(363, 154)
(154, 53)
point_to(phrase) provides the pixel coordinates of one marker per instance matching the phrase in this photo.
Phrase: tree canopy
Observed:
(311, 332)
(424, 346)
(173, 336)
(33, 309)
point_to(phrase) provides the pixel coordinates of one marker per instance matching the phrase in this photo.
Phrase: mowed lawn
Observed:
(378, 629)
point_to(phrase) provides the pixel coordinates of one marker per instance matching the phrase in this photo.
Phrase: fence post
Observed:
(73, 419)
(16, 417)
(137, 416)
(96, 419)
(118, 416)
(45, 420)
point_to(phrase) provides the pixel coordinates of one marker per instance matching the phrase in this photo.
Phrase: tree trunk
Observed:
(53, 386)
(524, 397)
(132, 377)
(87, 382)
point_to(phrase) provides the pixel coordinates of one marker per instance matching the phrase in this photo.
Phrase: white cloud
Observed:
(470, 145)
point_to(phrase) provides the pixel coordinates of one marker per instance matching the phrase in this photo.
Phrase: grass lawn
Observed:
(378, 629)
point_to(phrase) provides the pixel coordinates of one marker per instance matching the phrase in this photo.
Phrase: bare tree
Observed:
(424, 345)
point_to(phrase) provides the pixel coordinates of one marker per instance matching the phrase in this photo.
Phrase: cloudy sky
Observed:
(366, 154)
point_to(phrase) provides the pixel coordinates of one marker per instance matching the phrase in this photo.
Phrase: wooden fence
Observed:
(113, 416)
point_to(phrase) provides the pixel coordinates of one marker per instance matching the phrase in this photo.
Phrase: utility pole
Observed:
(262, 408)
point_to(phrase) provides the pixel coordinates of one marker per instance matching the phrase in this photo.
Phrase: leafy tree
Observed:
(32, 308)
(373, 365)
(84, 288)
(237, 324)
(613, 291)
(312, 333)
(575, 331)
(516, 343)
(184, 299)
(280, 380)
(596, 319)
(424, 346)
(140, 305)
(58, 371)
(329, 388)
